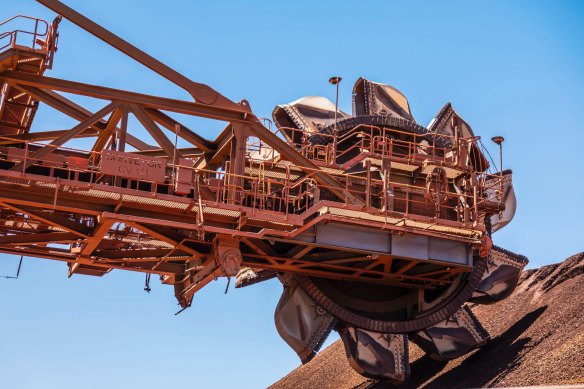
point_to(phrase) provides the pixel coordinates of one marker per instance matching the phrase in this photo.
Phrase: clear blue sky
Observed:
(511, 68)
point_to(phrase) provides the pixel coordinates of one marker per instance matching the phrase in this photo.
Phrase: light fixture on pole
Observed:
(499, 140)
(336, 80)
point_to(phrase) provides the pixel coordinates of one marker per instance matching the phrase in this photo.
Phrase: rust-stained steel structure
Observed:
(377, 227)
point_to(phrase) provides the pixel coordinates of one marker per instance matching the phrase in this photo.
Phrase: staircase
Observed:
(28, 51)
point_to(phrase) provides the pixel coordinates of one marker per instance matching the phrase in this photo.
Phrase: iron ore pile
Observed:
(537, 339)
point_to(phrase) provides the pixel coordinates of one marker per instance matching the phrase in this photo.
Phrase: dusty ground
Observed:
(537, 339)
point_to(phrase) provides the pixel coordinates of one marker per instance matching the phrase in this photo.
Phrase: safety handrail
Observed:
(374, 140)
(13, 34)
(284, 195)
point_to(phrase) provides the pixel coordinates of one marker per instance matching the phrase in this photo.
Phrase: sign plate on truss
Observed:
(134, 166)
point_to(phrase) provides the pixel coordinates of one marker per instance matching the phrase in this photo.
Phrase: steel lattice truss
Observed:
(376, 226)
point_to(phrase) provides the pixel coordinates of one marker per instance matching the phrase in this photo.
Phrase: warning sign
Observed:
(134, 166)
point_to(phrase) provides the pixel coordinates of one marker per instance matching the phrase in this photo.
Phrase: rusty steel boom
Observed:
(376, 226)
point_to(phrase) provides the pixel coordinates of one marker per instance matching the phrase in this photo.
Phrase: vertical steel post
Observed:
(499, 140)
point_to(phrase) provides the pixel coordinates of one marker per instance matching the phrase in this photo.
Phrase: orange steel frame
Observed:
(57, 203)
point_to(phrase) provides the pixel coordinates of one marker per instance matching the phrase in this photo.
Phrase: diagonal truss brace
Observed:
(71, 109)
(201, 93)
(49, 148)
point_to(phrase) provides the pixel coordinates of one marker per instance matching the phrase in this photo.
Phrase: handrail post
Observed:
(346, 189)
(368, 185)
(217, 195)
(407, 210)
(25, 157)
(36, 26)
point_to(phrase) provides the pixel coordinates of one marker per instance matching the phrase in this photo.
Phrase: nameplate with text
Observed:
(133, 166)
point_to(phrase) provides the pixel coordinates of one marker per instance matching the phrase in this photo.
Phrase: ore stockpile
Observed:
(536, 329)
(376, 226)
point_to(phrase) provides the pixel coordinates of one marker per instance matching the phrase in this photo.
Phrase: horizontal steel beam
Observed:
(72, 109)
(44, 135)
(58, 142)
(50, 218)
(142, 254)
(38, 238)
(104, 93)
